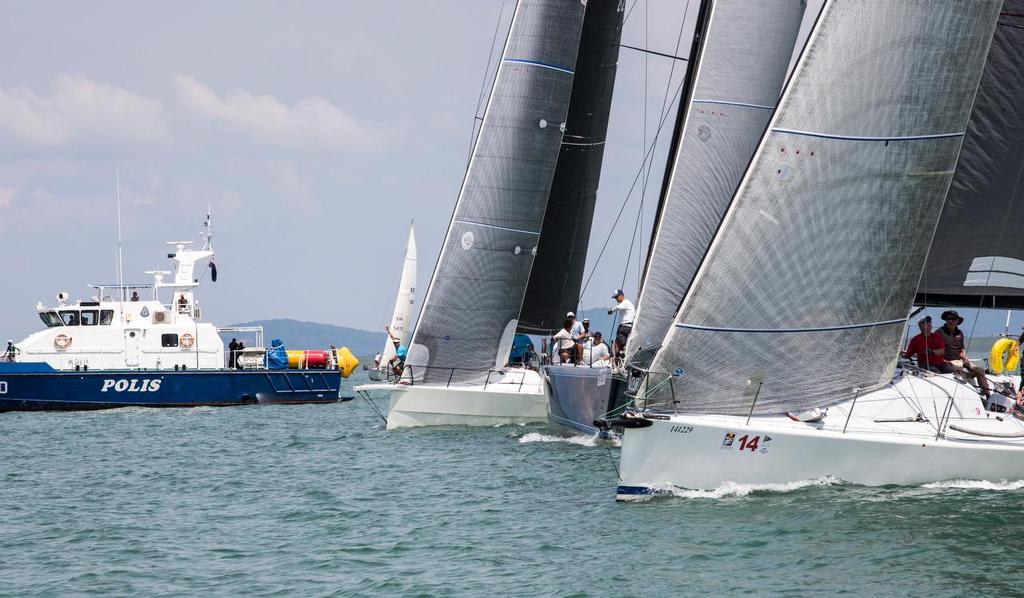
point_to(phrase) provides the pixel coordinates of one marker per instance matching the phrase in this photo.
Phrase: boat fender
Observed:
(347, 362)
(62, 341)
(187, 340)
(1005, 356)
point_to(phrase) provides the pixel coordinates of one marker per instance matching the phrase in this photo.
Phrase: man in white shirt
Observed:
(579, 334)
(596, 353)
(628, 312)
(562, 344)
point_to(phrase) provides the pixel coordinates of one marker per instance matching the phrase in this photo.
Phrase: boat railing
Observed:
(436, 376)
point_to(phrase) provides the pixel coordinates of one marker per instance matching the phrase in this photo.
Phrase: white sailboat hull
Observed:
(882, 444)
(518, 399)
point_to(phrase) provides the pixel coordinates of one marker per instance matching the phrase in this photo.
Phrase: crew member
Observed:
(11, 351)
(562, 343)
(232, 353)
(928, 348)
(956, 356)
(596, 353)
(625, 306)
(397, 362)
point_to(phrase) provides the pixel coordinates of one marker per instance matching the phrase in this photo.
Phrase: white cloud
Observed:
(312, 123)
(80, 110)
(6, 195)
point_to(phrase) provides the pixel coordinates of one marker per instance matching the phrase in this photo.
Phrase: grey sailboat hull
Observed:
(577, 396)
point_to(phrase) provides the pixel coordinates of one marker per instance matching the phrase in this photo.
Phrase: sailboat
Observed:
(456, 371)
(403, 311)
(781, 363)
(737, 67)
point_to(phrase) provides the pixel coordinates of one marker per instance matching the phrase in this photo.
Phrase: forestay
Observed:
(977, 257)
(400, 317)
(557, 274)
(802, 296)
(742, 67)
(470, 312)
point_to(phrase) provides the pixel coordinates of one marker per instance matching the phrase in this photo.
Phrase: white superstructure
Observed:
(139, 326)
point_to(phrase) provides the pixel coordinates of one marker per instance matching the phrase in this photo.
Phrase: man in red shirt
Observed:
(928, 348)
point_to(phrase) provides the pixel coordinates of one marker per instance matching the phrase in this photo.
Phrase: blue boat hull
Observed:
(36, 389)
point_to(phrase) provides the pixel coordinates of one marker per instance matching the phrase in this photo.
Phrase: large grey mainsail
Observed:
(977, 256)
(557, 273)
(471, 308)
(742, 67)
(802, 296)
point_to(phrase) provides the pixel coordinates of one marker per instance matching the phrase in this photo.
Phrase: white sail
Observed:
(802, 297)
(403, 304)
(742, 66)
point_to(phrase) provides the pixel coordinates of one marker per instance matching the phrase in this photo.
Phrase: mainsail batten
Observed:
(829, 231)
(742, 66)
(471, 308)
(977, 256)
(557, 273)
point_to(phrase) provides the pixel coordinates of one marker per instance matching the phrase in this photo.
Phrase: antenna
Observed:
(208, 229)
(120, 246)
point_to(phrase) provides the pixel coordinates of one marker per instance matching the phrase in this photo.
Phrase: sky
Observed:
(316, 131)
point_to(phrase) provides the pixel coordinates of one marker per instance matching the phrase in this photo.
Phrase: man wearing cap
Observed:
(928, 347)
(596, 353)
(956, 356)
(397, 362)
(626, 323)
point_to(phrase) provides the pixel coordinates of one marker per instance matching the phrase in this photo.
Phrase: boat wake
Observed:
(733, 489)
(977, 485)
(579, 439)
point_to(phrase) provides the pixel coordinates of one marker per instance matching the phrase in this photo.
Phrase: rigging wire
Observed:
(667, 103)
(477, 118)
(629, 194)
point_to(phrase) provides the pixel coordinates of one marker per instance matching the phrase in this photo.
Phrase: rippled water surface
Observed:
(320, 500)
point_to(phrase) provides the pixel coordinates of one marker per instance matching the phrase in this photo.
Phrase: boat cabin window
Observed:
(89, 317)
(70, 317)
(51, 319)
(106, 317)
(168, 340)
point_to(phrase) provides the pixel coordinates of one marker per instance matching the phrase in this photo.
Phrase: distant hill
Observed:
(297, 334)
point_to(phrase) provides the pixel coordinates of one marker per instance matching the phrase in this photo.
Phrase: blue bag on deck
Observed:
(277, 357)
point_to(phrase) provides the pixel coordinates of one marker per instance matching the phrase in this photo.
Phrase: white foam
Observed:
(978, 485)
(730, 489)
(580, 439)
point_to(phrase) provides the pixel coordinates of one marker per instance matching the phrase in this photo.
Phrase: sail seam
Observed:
(869, 138)
(514, 230)
(545, 65)
(731, 103)
(791, 330)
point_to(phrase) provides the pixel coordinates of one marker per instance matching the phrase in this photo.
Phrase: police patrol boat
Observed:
(119, 349)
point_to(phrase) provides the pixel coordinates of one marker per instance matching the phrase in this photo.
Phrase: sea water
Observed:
(320, 500)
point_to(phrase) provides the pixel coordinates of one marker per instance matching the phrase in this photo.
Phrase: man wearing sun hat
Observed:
(956, 355)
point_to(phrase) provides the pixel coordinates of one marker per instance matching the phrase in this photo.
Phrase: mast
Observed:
(699, 33)
(801, 299)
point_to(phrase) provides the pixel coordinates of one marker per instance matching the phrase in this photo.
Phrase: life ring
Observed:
(1005, 356)
(187, 340)
(62, 341)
